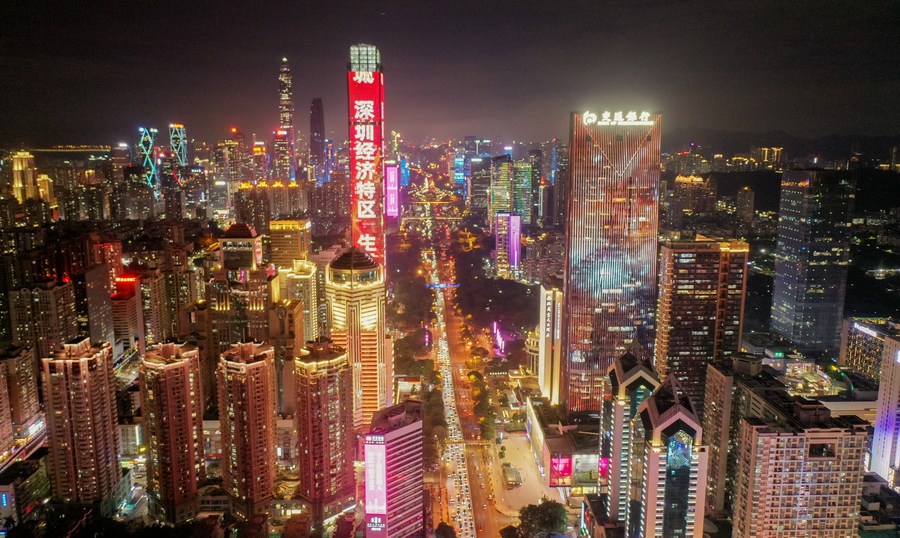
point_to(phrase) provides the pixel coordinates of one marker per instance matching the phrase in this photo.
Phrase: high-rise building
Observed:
(325, 432)
(885, 458)
(862, 344)
(479, 187)
(289, 240)
(172, 407)
(508, 246)
(668, 461)
(354, 290)
(317, 159)
(800, 477)
(7, 438)
(559, 179)
(550, 329)
(286, 118)
(365, 87)
(281, 156)
(395, 473)
(500, 191)
(300, 283)
(811, 258)
(702, 288)
(736, 388)
(157, 323)
(247, 406)
(631, 381)
(744, 206)
(80, 402)
(128, 314)
(93, 289)
(44, 316)
(22, 387)
(523, 190)
(611, 240)
(24, 174)
(536, 160)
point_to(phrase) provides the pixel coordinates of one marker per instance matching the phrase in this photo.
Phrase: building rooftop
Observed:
(354, 260)
(240, 230)
(397, 416)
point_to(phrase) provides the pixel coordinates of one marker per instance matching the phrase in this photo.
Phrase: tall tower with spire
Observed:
(286, 118)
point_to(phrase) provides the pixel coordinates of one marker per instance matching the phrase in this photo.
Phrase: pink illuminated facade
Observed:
(392, 190)
(395, 473)
(611, 241)
(365, 89)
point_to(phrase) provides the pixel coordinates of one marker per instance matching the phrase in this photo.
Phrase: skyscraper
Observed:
(286, 119)
(501, 192)
(324, 420)
(508, 245)
(631, 381)
(128, 314)
(300, 283)
(885, 458)
(289, 240)
(317, 140)
(702, 287)
(811, 258)
(44, 317)
(395, 474)
(611, 239)
(863, 342)
(550, 329)
(744, 206)
(365, 88)
(800, 477)
(523, 190)
(354, 290)
(79, 398)
(22, 387)
(668, 461)
(536, 160)
(247, 406)
(172, 407)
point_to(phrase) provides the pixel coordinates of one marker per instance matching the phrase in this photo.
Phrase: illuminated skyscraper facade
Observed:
(365, 88)
(811, 258)
(550, 329)
(22, 386)
(863, 341)
(800, 477)
(317, 159)
(325, 433)
(508, 246)
(668, 463)
(289, 240)
(354, 290)
(44, 317)
(611, 240)
(702, 287)
(523, 190)
(631, 380)
(172, 407)
(395, 473)
(300, 284)
(286, 119)
(247, 407)
(885, 458)
(500, 194)
(80, 402)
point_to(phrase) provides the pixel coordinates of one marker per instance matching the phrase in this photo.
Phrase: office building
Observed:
(20, 368)
(286, 160)
(508, 245)
(500, 194)
(317, 158)
(550, 329)
(885, 457)
(325, 431)
(24, 176)
(80, 404)
(395, 474)
(800, 477)
(157, 321)
(631, 380)
(365, 87)
(299, 283)
(289, 240)
(172, 407)
(811, 258)
(44, 316)
(24, 487)
(744, 205)
(354, 290)
(128, 314)
(668, 462)
(559, 179)
(536, 161)
(611, 240)
(702, 289)
(523, 190)
(862, 344)
(247, 406)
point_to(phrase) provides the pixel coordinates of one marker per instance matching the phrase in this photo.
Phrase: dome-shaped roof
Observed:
(240, 230)
(354, 260)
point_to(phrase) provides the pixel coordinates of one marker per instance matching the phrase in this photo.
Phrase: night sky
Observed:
(508, 70)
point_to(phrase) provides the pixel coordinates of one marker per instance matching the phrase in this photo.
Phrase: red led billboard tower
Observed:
(365, 88)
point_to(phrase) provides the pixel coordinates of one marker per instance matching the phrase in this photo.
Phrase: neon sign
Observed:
(865, 330)
(616, 118)
(392, 190)
(366, 107)
(376, 478)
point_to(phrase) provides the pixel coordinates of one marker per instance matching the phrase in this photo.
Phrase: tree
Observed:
(549, 516)
(509, 531)
(444, 531)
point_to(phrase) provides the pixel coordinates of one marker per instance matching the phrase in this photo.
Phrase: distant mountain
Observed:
(829, 147)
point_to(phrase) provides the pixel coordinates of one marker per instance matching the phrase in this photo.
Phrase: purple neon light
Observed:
(392, 190)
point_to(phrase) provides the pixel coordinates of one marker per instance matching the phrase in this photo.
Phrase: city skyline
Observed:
(224, 68)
